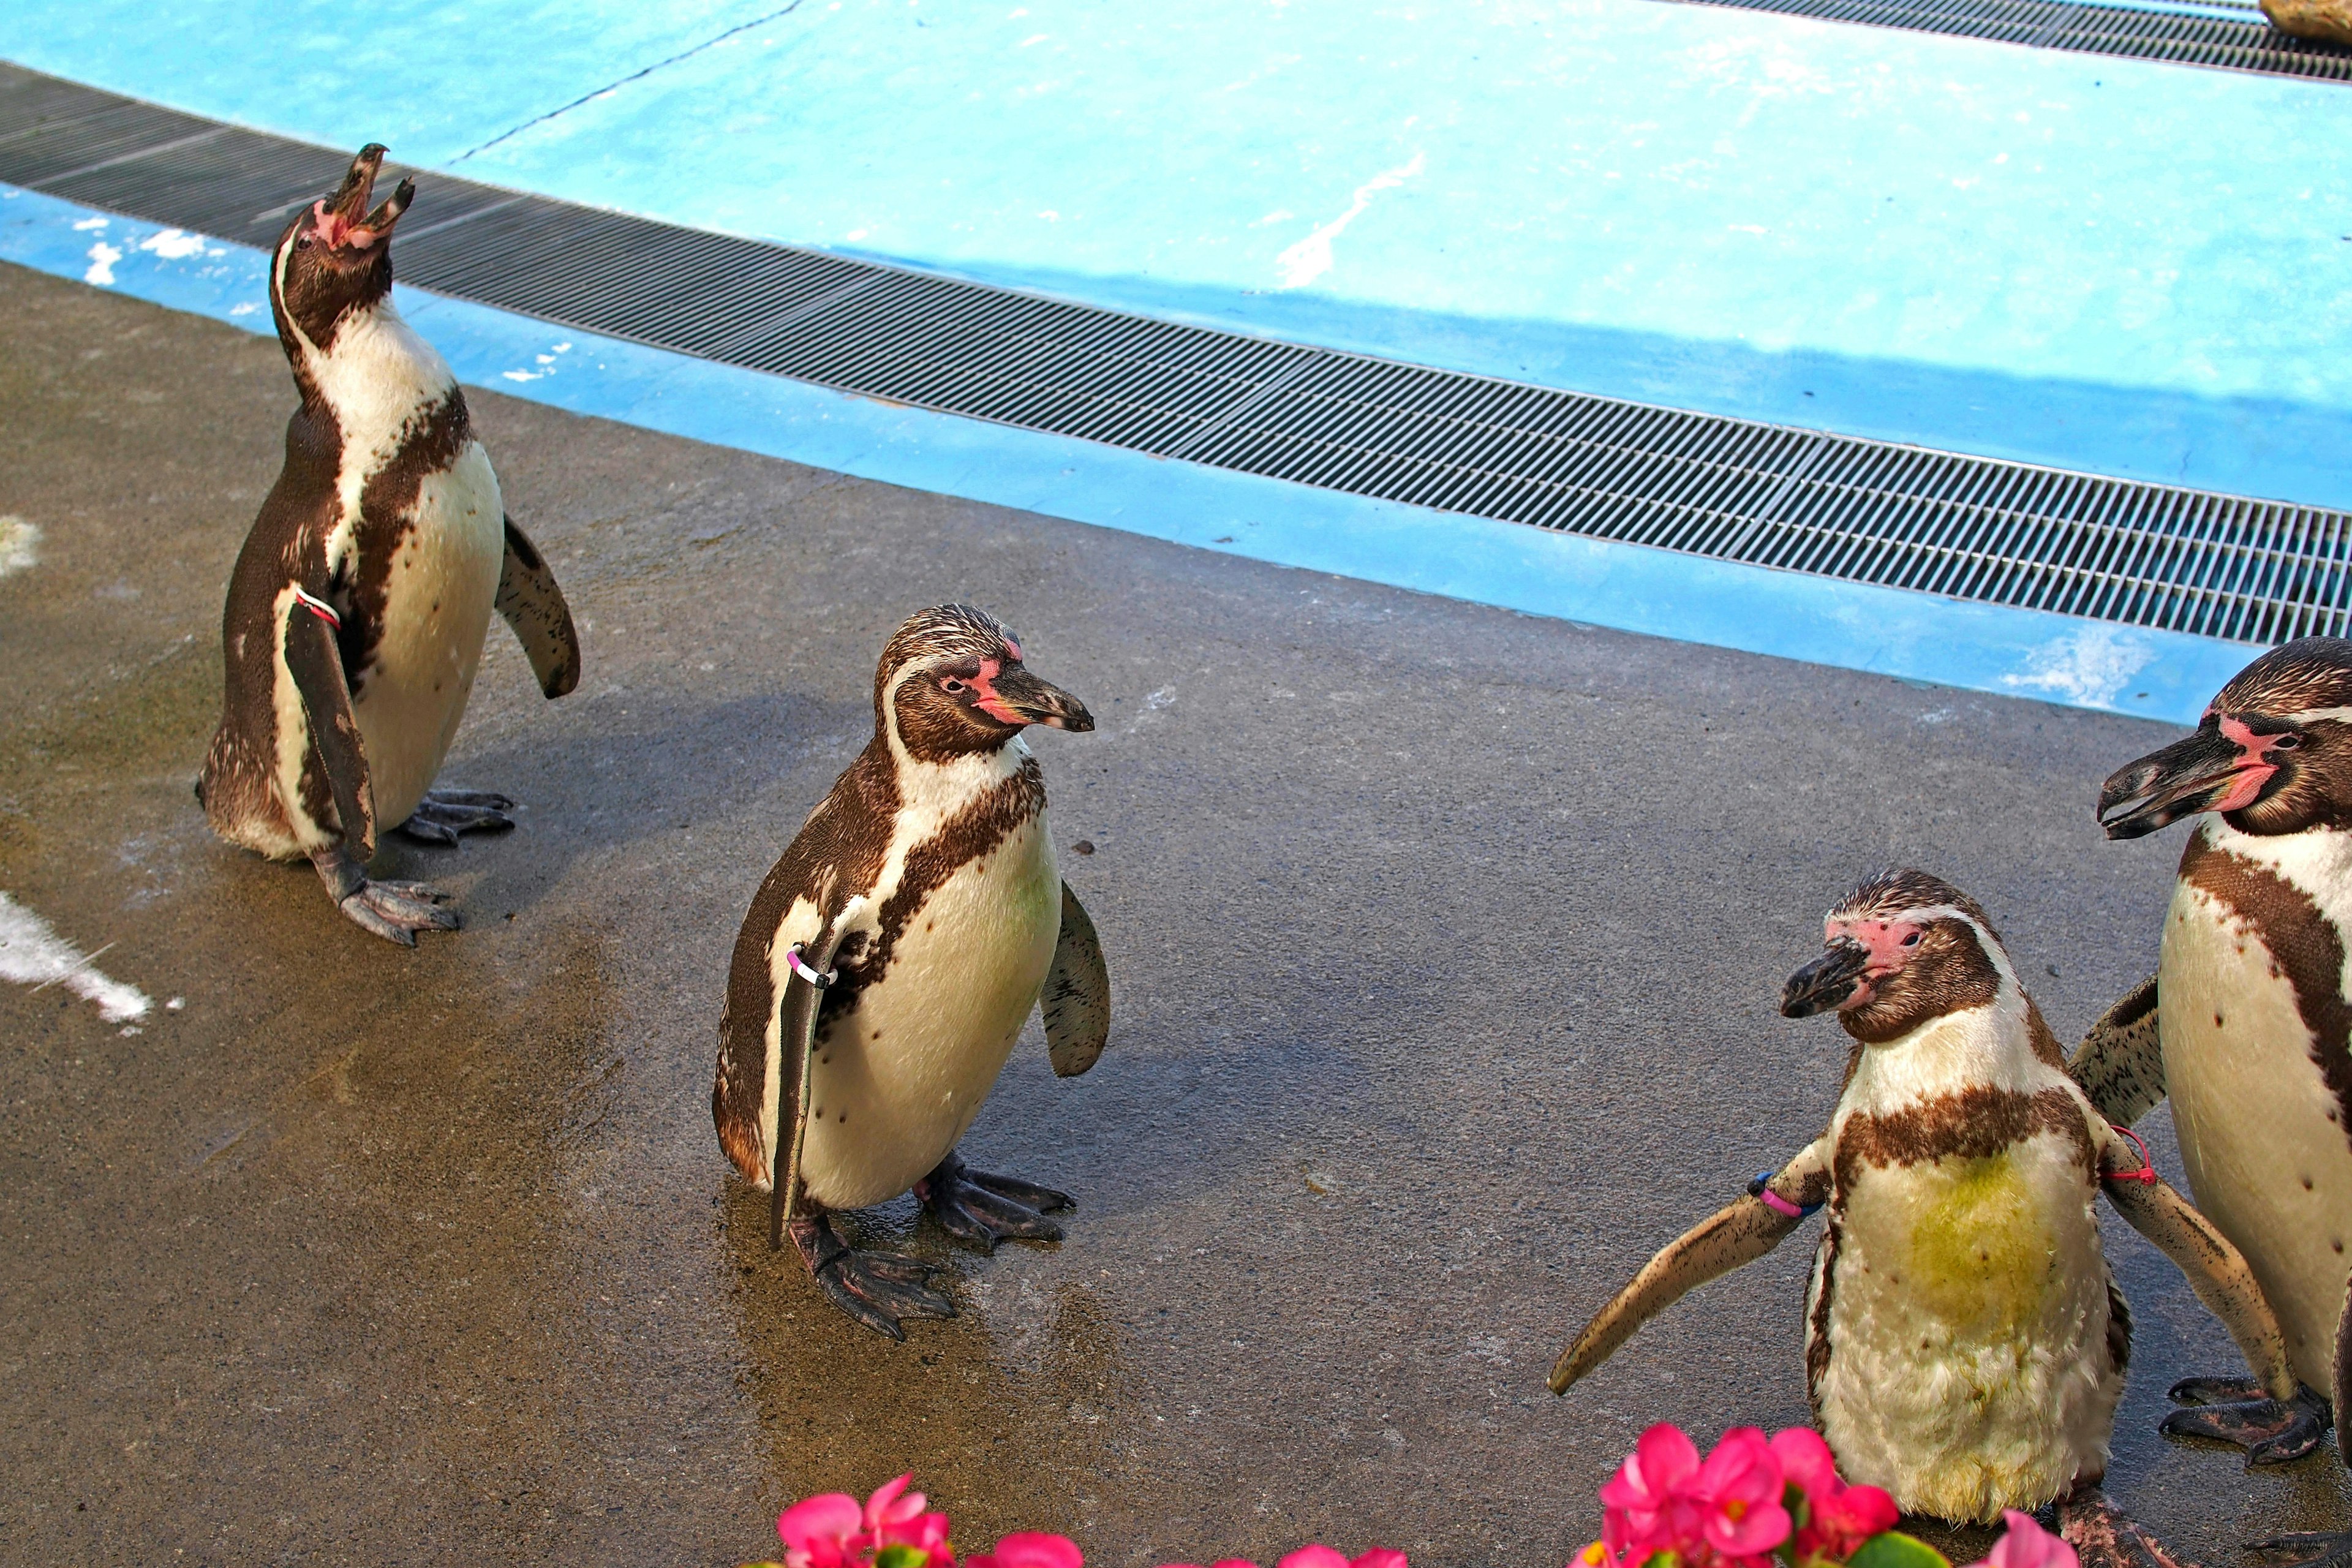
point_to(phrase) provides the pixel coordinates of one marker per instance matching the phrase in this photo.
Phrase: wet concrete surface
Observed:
(1446, 944)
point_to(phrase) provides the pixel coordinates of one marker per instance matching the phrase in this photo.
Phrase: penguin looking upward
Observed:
(2247, 1023)
(1965, 1343)
(890, 959)
(358, 606)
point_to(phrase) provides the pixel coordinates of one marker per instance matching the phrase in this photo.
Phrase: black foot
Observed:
(2234, 1410)
(2308, 1549)
(984, 1209)
(394, 911)
(877, 1288)
(444, 813)
(2104, 1536)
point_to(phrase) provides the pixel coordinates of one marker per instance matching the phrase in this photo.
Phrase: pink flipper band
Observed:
(1761, 1188)
(2146, 1171)
(319, 608)
(820, 978)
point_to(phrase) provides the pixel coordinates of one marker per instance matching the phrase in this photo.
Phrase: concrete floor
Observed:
(1445, 943)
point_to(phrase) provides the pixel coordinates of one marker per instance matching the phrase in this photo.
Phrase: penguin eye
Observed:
(301, 242)
(1911, 941)
(2286, 742)
(950, 684)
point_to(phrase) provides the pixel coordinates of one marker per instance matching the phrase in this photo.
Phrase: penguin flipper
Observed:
(1729, 1239)
(2216, 1270)
(534, 606)
(1077, 997)
(2120, 1063)
(317, 666)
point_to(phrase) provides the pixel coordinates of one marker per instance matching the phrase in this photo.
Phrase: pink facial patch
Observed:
(2254, 768)
(985, 699)
(1883, 939)
(1013, 647)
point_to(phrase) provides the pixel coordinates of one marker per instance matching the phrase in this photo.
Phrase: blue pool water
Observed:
(2131, 267)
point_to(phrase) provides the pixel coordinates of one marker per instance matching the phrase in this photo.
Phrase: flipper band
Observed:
(820, 978)
(319, 608)
(2146, 1171)
(1761, 1187)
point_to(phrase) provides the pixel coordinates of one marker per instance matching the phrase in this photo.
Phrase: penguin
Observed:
(1965, 1341)
(358, 606)
(2247, 1025)
(889, 960)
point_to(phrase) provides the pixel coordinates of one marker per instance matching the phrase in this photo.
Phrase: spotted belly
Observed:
(1966, 1368)
(442, 583)
(2261, 1131)
(898, 1080)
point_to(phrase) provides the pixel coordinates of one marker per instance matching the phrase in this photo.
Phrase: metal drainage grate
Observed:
(2223, 33)
(1906, 516)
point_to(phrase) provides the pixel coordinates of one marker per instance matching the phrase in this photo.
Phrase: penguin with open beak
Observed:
(2247, 1025)
(890, 959)
(1966, 1344)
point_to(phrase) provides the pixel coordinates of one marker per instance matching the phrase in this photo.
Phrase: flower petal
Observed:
(1314, 1556)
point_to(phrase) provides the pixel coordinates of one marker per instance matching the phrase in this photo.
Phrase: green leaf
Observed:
(1896, 1550)
(901, 1556)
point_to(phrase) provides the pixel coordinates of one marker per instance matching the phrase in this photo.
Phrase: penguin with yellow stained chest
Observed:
(358, 606)
(891, 957)
(1966, 1344)
(2247, 1025)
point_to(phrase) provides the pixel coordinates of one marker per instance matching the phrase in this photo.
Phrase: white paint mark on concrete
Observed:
(19, 545)
(2088, 669)
(32, 955)
(1311, 258)
(172, 245)
(102, 257)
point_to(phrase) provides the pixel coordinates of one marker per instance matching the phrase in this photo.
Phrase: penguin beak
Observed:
(1017, 697)
(1827, 982)
(345, 226)
(2206, 772)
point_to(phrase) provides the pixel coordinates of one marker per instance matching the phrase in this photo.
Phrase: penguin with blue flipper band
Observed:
(1966, 1344)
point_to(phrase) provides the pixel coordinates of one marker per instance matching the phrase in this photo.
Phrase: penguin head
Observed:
(1903, 948)
(952, 683)
(2273, 753)
(336, 257)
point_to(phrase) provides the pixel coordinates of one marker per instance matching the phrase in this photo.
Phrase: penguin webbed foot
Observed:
(2235, 1410)
(2104, 1536)
(2308, 1549)
(444, 813)
(877, 1288)
(394, 911)
(984, 1208)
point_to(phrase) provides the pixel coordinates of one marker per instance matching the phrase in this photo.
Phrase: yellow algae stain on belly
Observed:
(1983, 1252)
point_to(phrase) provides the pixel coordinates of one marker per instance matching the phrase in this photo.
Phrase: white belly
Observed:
(2267, 1159)
(1968, 1369)
(897, 1081)
(442, 586)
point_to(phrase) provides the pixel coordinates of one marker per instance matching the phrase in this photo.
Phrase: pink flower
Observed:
(1724, 1510)
(2028, 1545)
(1739, 1490)
(1029, 1550)
(1643, 1509)
(1838, 1518)
(895, 1517)
(1221, 1563)
(822, 1532)
(1321, 1556)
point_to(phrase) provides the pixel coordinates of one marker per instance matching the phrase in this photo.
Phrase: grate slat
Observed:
(2241, 39)
(1937, 522)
